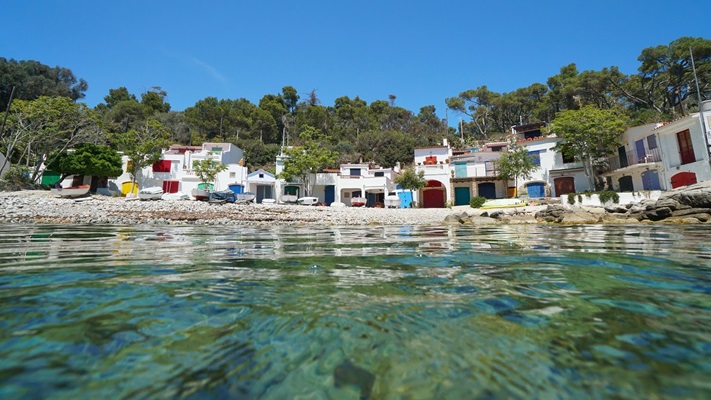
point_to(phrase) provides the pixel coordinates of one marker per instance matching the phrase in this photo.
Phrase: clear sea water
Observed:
(394, 312)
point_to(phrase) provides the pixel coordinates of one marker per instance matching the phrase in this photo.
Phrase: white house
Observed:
(435, 162)
(364, 180)
(262, 184)
(663, 156)
(475, 173)
(175, 172)
(557, 174)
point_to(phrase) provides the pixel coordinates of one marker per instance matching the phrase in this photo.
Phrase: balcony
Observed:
(631, 159)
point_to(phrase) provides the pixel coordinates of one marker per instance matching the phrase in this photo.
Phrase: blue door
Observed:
(461, 196)
(536, 189)
(626, 184)
(650, 180)
(237, 189)
(487, 190)
(405, 199)
(330, 194)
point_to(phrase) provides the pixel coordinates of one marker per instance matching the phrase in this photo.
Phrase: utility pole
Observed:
(701, 108)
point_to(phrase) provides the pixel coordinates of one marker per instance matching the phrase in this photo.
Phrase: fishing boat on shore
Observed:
(359, 201)
(151, 193)
(288, 198)
(392, 200)
(308, 201)
(69, 192)
(244, 198)
(503, 203)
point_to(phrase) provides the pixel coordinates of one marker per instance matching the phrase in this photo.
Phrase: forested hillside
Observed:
(662, 89)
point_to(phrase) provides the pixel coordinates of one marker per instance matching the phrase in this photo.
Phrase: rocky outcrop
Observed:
(688, 205)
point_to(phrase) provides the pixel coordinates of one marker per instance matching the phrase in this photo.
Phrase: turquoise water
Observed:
(405, 312)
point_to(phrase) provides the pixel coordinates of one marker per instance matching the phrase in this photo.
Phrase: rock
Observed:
(657, 214)
(580, 217)
(482, 221)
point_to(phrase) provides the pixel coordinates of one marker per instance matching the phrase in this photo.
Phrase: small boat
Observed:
(73, 191)
(222, 196)
(358, 201)
(200, 194)
(503, 203)
(150, 193)
(307, 201)
(289, 198)
(175, 196)
(268, 201)
(246, 197)
(392, 200)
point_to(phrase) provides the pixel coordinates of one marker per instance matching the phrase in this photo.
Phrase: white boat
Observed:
(392, 201)
(308, 201)
(503, 203)
(246, 197)
(175, 196)
(200, 194)
(358, 201)
(73, 191)
(288, 198)
(150, 193)
(268, 201)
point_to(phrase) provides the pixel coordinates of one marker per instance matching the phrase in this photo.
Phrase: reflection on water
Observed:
(372, 312)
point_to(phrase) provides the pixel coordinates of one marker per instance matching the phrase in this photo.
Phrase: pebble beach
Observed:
(41, 206)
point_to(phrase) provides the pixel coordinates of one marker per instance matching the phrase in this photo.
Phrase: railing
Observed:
(631, 158)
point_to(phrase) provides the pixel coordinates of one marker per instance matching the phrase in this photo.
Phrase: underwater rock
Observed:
(348, 374)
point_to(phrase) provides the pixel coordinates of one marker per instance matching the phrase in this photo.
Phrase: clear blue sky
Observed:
(420, 51)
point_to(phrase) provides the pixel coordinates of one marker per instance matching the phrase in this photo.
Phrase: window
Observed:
(381, 173)
(568, 157)
(651, 142)
(233, 174)
(355, 172)
(686, 149)
(429, 160)
(535, 156)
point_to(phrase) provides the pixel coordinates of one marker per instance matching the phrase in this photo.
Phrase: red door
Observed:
(683, 179)
(170, 186)
(686, 149)
(433, 195)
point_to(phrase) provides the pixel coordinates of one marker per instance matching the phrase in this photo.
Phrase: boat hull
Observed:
(288, 198)
(152, 193)
(308, 201)
(74, 191)
(359, 202)
(200, 194)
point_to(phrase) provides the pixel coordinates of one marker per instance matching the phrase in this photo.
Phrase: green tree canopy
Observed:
(32, 79)
(208, 169)
(143, 145)
(302, 162)
(87, 159)
(46, 125)
(590, 134)
(409, 180)
(516, 163)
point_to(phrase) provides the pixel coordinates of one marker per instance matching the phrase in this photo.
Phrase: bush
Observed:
(607, 195)
(477, 201)
(17, 177)
(571, 199)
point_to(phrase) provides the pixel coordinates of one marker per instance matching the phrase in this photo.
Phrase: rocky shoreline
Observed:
(689, 205)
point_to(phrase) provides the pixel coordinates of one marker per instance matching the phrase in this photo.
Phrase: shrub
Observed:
(477, 201)
(17, 177)
(607, 195)
(571, 199)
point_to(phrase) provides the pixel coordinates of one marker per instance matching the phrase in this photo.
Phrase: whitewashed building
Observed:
(175, 172)
(435, 162)
(662, 156)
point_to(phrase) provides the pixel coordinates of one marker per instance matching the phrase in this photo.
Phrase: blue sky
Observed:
(420, 51)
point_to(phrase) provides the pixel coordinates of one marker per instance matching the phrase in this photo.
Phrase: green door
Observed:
(461, 196)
